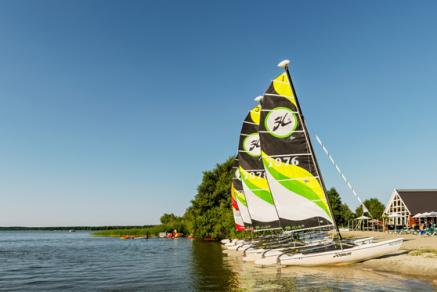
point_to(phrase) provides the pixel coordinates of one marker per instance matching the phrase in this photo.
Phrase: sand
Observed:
(418, 254)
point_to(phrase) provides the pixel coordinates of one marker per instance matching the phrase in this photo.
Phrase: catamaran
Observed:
(250, 187)
(296, 183)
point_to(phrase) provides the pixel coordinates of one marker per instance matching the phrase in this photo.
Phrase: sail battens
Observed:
(250, 123)
(269, 110)
(298, 178)
(298, 131)
(272, 94)
(292, 155)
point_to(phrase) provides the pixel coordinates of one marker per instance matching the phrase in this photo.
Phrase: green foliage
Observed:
(167, 218)
(375, 207)
(147, 231)
(173, 222)
(346, 215)
(210, 212)
(341, 211)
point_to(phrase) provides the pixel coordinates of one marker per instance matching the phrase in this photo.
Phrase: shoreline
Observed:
(417, 256)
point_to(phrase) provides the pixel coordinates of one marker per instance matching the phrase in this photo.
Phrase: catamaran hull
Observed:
(234, 244)
(350, 255)
(267, 258)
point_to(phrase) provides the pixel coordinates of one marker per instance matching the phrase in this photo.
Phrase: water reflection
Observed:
(209, 271)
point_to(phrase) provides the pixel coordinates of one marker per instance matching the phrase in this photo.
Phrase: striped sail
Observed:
(238, 195)
(256, 190)
(290, 165)
(239, 223)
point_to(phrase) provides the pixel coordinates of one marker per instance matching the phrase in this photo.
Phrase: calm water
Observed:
(53, 261)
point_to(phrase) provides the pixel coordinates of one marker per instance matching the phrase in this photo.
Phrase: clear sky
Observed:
(111, 110)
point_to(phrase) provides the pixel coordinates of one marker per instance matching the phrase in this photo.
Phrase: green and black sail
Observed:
(256, 190)
(291, 168)
(238, 198)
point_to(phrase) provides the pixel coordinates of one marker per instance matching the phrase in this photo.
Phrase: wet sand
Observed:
(417, 256)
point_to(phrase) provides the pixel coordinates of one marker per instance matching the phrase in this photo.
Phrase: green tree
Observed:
(167, 218)
(341, 211)
(346, 215)
(210, 212)
(375, 207)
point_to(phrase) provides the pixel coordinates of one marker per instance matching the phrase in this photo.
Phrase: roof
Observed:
(419, 201)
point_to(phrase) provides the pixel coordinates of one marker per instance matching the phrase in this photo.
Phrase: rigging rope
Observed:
(343, 176)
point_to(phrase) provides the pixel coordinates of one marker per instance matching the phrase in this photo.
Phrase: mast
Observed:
(284, 64)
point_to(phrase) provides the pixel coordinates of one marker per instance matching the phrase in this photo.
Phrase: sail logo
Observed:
(281, 122)
(252, 145)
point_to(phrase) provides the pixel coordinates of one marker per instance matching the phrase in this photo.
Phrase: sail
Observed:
(291, 168)
(239, 223)
(238, 195)
(256, 190)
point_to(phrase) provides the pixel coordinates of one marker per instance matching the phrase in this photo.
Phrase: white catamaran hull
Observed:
(350, 255)
(271, 257)
(266, 258)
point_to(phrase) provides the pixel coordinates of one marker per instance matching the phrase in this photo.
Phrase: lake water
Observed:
(54, 261)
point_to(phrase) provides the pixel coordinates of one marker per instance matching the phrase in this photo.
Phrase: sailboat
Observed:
(238, 198)
(250, 177)
(259, 201)
(296, 183)
(240, 209)
(238, 218)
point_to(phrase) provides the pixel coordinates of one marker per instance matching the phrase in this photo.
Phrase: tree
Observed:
(210, 212)
(347, 214)
(341, 211)
(375, 207)
(167, 218)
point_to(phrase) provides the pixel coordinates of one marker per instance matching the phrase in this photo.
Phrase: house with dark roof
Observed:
(404, 204)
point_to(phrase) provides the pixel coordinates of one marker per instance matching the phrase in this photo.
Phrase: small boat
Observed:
(127, 237)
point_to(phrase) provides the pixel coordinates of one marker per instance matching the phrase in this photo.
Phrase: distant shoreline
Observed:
(76, 228)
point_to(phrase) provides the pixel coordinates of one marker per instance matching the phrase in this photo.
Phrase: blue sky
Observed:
(111, 110)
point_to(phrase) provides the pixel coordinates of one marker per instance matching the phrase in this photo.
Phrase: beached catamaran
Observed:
(239, 204)
(249, 176)
(296, 185)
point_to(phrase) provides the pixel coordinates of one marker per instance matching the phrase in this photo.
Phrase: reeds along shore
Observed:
(135, 232)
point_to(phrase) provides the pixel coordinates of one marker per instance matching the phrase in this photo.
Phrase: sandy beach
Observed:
(418, 254)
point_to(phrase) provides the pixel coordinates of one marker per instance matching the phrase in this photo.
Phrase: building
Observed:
(404, 204)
